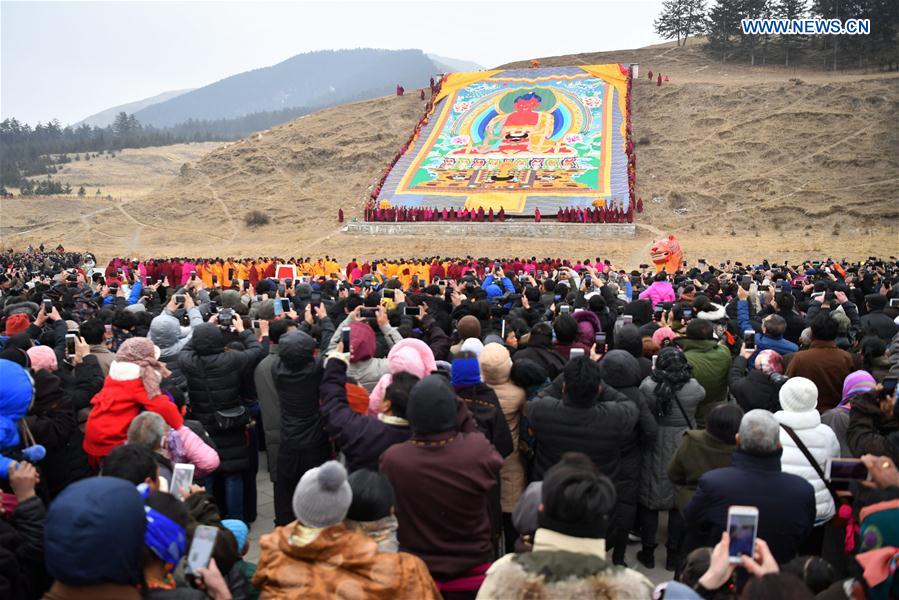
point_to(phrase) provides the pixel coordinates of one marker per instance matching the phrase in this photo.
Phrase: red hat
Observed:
(17, 323)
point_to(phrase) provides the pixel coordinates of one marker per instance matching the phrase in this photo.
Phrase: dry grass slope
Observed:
(730, 158)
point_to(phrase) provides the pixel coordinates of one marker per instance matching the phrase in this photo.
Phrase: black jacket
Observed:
(621, 372)
(53, 423)
(488, 414)
(786, 504)
(22, 573)
(880, 324)
(753, 389)
(214, 379)
(599, 430)
(544, 356)
(297, 377)
(82, 382)
(795, 323)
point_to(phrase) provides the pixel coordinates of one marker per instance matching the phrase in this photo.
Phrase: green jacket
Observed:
(710, 362)
(698, 453)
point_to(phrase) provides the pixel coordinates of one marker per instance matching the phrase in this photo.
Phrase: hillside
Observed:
(106, 117)
(737, 161)
(316, 79)
(133, 172)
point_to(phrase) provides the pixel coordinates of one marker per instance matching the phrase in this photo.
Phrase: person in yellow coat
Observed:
(243, 271)
(204, 272)
(228, 270)
(424, 271)
(217, 272)
(391, 269)
(332, 267)
(262, 266)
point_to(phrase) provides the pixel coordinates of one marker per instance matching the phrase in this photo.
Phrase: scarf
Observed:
(143, 353)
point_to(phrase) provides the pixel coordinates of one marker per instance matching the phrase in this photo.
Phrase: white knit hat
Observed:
(799, 394)
(473, 345)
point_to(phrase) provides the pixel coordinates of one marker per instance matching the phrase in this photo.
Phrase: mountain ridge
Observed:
(315, 79)
(106, 116)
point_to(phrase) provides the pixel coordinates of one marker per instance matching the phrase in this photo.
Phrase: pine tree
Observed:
(81, 191)
(670, 23)
(752, 9)
(680, 18)
(789, 9)
(695, 19)
(723, 25)
(98, 192)
(120, 124)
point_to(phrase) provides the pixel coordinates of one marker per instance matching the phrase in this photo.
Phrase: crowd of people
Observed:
(446, 427)
(613, 213)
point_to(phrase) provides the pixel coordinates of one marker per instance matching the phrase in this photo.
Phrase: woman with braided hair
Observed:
(673, 396)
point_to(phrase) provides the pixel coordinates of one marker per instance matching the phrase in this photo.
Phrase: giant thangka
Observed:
(519, 140)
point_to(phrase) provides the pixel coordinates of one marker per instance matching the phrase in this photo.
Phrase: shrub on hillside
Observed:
(256, 218)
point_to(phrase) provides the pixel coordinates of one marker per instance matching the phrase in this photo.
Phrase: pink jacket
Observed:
(197, 452)
(409, 355)
(659, 291)
(186, 268)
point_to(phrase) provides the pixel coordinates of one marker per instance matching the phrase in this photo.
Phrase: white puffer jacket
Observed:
(821, 441)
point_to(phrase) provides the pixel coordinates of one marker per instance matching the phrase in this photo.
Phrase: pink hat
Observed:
(664, 333)
(43, 357)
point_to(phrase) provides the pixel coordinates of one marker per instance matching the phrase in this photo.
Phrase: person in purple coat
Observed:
(363, 438)
(442, 478)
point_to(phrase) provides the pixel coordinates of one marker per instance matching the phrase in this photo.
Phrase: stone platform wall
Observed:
(603, 231)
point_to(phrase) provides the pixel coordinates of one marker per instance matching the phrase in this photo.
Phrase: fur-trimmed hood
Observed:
(549, 572)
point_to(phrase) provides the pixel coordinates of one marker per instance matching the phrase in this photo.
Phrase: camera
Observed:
(226, 316)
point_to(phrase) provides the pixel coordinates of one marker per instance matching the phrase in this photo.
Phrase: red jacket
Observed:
(115, 406)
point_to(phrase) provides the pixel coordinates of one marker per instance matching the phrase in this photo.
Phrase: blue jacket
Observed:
(133, 297)
(496, 288)
(786, 503)
(762, 342)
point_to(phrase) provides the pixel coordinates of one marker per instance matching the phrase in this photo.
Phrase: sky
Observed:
(68, 60)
